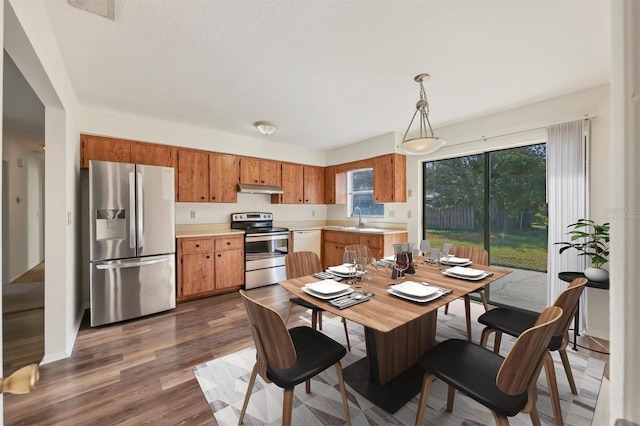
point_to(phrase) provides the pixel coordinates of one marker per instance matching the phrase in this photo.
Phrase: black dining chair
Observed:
(506, 386)
(514, 322)
(289, 357)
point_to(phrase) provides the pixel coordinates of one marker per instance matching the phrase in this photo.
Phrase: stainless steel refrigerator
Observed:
(131, 241)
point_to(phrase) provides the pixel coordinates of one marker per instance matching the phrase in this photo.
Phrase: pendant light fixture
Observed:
(426, 142)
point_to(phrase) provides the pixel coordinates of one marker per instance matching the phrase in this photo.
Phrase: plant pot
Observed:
(596, 274)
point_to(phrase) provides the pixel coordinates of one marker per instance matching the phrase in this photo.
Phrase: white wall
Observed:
(527, 125)
(29, 40)
(25, 179)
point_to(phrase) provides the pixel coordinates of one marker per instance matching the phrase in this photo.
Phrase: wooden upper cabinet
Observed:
(193, 176)
(254, 171)
(224, 174)
(270, 173)
(103, 149)
(153, 154)
(292, 185)
(335, 186)
(390, 178)
(313, 185)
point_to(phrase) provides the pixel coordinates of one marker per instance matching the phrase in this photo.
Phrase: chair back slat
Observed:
(475, 254)
(274, 346)
(568, 301)
(301, 263)
(361, 250)
(524, 360)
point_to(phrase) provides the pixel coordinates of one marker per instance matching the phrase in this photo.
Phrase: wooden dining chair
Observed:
(300, 264)
(507, 385)
(289, 357)
(479, 257)
(515, 322)
(361, 250)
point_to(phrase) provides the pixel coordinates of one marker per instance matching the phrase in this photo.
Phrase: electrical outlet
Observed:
(409, 192)
(392, 213)
(193, 214)
(313, 212)
(68, 218)
(409, 214)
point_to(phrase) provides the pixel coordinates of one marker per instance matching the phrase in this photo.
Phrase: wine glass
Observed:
(370, 275)
(361, 269)
(349, 260)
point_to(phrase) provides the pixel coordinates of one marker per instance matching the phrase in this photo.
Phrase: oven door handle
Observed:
(265, 237)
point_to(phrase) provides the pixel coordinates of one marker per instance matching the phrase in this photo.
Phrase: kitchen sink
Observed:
(354, 229)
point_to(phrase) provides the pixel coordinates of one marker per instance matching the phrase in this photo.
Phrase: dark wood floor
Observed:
(140, 371)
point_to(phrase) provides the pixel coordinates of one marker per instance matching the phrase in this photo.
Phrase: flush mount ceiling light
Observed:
(426, 143)
(265, 127)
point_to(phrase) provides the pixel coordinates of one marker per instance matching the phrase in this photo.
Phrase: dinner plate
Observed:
(465, 272)
(455, 261)
(327, 287)
(342, 271)
(415, 299)
(413, 289)
(326, 296)
(462, 277)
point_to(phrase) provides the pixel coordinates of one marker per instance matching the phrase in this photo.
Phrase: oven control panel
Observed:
(239, 217)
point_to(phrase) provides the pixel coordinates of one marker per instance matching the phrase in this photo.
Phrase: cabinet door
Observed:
(103, 149)
(332, 253)
(313, 185)
(153, 154)
(229, 268)
(270, 173)
(335, 186)
(193, 176)
(375, 244)
(250, 171)
(224, 174)
(389, 178)
(292, 184)
(197, 274)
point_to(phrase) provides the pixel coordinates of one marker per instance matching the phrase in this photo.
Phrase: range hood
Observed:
(258, 189)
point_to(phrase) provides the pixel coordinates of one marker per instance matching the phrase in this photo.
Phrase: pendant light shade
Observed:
(426, 142)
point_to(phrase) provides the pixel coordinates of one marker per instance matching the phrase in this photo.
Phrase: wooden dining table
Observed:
(397, 331)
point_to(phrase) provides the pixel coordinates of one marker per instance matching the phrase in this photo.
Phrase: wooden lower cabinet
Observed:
(380, 245)
(209, 265)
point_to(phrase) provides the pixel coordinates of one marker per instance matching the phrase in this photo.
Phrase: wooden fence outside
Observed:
(450, 218)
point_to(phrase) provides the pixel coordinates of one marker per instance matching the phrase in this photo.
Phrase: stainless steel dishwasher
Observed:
(308, 240)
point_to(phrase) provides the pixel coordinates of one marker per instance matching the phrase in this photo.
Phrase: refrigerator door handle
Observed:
(134, 264)
(132, 219)
(140, 211)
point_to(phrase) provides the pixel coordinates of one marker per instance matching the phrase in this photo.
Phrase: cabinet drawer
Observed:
(197, 246)
(229, 243)
(372, 241)
(340, 237)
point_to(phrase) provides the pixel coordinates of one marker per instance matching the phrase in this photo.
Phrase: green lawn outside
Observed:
(523, 250)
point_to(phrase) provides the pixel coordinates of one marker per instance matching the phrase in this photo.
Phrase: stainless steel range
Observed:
(264, 248)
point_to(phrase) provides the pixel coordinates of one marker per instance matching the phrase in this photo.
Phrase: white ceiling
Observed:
(329, 72)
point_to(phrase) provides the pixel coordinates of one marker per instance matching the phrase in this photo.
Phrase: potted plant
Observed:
(591, 240)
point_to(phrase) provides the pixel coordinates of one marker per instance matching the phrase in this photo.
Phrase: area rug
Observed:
(224, 382)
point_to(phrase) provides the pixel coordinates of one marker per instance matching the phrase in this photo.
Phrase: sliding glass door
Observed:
(497, 201)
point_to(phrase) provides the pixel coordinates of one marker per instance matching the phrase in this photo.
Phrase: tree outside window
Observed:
(360, 194)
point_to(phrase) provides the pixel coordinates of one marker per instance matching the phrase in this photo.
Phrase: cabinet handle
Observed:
(202, 198)
(228, 243)
(213, 198)
(219, 255)
(197, 245)
(208, 257)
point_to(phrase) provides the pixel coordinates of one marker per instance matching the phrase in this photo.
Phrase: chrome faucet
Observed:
(360, 224)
